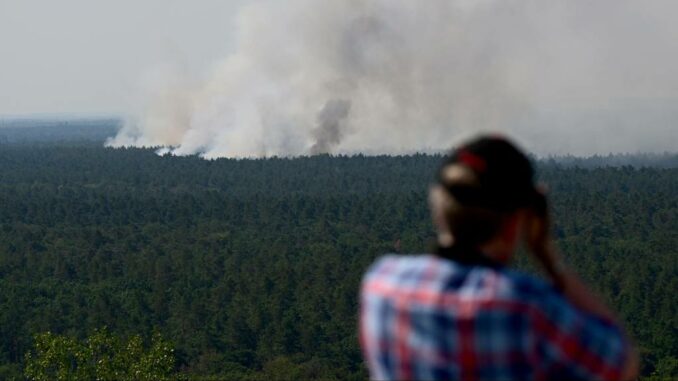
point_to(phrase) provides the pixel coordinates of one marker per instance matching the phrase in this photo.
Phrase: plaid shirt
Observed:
(425, 317)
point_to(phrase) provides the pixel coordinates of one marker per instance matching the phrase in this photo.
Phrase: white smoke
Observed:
(392, 76)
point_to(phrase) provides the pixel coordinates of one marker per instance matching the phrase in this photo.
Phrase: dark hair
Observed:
(504, 176)
(492, 179)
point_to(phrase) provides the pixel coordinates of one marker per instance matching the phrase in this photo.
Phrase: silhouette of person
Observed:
(462, 313)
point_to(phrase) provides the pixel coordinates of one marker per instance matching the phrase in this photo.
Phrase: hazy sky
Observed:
(90, 56)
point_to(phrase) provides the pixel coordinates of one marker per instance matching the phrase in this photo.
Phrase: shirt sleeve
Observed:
(574, 345)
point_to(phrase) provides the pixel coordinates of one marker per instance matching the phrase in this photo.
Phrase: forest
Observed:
(250, 268)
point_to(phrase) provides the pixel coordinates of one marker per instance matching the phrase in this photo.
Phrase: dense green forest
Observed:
(250, 268)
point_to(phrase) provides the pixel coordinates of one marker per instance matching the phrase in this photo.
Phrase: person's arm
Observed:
(577, 293)
(541, 245)
(572, 287)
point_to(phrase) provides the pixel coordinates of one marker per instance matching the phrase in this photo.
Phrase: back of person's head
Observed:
(479, 185)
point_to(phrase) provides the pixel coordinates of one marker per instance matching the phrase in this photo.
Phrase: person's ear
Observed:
(436, 203)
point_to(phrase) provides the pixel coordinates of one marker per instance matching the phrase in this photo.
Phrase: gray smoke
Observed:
(331, 125)
(394, 76)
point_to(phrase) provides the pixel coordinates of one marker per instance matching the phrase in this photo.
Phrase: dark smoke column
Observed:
(331, 126)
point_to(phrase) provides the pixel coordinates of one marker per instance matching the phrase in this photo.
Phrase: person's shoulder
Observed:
(398, 265)
(392, 262)
(528, 288)
(545, 298)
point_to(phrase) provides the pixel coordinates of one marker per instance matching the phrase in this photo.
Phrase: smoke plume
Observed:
(394, 76)
(329, 132)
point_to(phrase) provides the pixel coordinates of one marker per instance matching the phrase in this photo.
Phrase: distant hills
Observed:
(43, 130)
(636, 160)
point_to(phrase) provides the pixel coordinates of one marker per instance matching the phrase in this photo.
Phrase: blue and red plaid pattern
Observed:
(424, 317)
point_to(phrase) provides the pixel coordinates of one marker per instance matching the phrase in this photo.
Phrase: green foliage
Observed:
(252, 267)
(666, 369)
(101, 356)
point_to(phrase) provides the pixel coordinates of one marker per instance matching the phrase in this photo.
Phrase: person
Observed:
(462, 313)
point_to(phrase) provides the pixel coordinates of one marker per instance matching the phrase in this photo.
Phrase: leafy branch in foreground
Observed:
(102, 356)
